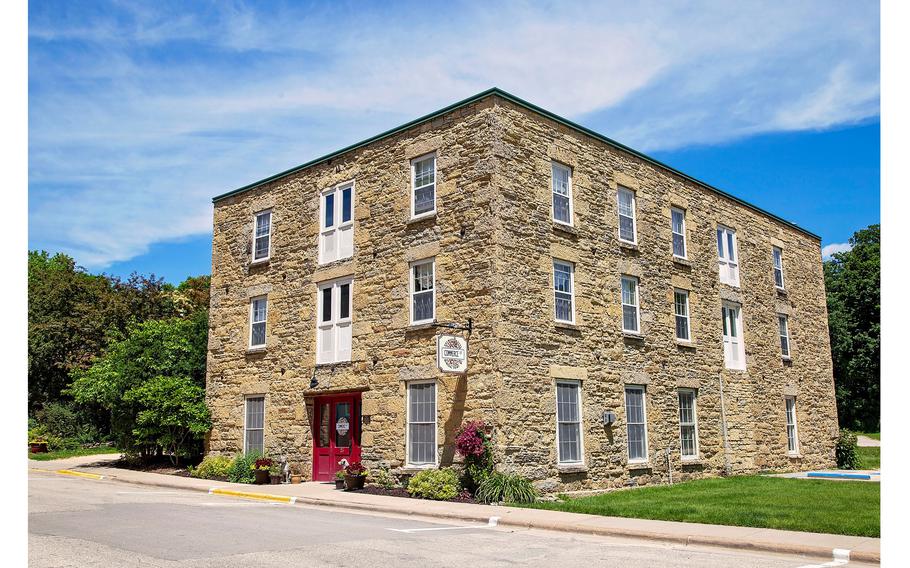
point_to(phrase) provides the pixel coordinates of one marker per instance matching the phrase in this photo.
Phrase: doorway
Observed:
(336, 433)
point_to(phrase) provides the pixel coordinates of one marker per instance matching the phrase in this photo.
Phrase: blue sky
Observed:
(139, 113)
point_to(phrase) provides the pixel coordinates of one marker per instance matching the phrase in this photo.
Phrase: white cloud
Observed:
(138, 116)
(832, 248)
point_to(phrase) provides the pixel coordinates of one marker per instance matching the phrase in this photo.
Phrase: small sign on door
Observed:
(451, 353)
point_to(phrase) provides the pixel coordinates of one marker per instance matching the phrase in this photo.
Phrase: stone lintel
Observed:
(566, 372)
(333, 272)
(421, 252)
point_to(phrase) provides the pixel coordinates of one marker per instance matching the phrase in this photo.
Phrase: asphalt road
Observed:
(84, 522)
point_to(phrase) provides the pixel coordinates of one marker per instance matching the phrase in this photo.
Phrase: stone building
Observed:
(627, 322)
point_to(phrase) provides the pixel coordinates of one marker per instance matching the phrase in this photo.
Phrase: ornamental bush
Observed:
(213, 467)
(501, 487)
(436, 484)
(475, 446)
(845, 450)
(241, 470)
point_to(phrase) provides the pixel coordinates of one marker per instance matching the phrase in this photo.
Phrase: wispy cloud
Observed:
(832, 248)
(140, 113)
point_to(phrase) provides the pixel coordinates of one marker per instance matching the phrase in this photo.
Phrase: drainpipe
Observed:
(723, 428)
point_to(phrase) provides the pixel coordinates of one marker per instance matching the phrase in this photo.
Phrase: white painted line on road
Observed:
(841, 557)
(493, 521)
(149, 493)
(487, 526)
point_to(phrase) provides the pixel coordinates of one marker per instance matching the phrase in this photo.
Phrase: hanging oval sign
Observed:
(342, 426)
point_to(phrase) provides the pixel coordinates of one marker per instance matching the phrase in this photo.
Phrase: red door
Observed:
(336, 435)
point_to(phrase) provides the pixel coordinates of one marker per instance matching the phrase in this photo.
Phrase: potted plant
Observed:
(37, 446)
(275, 474)
(261, 470)
(355, 475)
(339, 479)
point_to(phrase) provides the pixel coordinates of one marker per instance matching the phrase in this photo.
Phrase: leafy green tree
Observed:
(853, 282)
(155, 358)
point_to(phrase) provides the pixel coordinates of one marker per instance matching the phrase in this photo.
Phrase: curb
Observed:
(758, 546)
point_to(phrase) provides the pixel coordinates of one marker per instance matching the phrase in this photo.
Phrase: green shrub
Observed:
(845, 450)
(436, 484)
(213, 467)
(384, 478)
(501, 487)
(241, 469)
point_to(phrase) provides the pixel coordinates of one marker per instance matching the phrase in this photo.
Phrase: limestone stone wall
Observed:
(494, 241)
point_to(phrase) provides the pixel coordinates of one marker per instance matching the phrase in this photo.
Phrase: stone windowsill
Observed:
(261, 262)
(682, 261)
(566, 325)
(421, 326)
(416, 468)
(334, 364)
(565, 228)
(628, 246)
(572, 468)
(421, 218)
(690, 461)
(638, 465)
(786, 359)
(256, 350)
(795, 456)
(781, 292)
(633, 335)
(686, 344)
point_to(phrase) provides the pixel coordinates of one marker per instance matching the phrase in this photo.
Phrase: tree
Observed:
(156, 359)
(853, 283)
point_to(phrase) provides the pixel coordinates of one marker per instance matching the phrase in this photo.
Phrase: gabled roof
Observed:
(532, 107)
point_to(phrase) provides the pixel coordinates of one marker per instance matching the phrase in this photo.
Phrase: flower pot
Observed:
(339, 483)
(275, 479)
(296, 478)
(261, 476)
(354, 482)
(37, 447)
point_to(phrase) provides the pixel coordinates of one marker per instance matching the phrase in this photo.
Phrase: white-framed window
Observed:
(562, 193)
(564, 290)
(423, 186)
(421, 435)
(625, 199)
(792, 436)
(423, 291)
(259, 308)
(630, 316)
(778, 256)
(678, 226)
(254, 424)
(727, 256)
(262, 236)
(336, 223)
(636, 423)
(568, 422)
(334, 321)
(688, 425)
(681, 313)
(734, 350)
(784, 335)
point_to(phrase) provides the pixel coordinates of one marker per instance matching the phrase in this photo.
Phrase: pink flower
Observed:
(470, 440)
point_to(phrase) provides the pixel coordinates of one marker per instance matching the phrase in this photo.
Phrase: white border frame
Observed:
(246, 397)
(407, 425)
(644, 412)
(688, 315)
(553, 166)
(571, 266)
(266, 321)
(783, 278)
(414, 188)
(694, 393)
(432, 262)
(681, 211)
(337, 189)
(619, 190)
(795, 425)
(788, 355)
(253, 259)
(581, 421)
(637, 281)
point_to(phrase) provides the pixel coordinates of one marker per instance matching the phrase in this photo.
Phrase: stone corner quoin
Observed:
(345, 366)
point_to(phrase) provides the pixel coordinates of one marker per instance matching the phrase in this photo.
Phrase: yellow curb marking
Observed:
(79, 474)
(249, 495)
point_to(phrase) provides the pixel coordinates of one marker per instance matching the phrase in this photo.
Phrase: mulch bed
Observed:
(464, 497)
(162, 466)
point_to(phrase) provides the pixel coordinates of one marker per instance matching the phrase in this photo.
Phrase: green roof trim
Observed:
(532, 107)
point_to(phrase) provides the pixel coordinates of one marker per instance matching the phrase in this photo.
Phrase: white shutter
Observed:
(345, 236)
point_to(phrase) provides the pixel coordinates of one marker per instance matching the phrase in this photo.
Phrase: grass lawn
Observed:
(60, 454)
(838, 507)
(869, 457)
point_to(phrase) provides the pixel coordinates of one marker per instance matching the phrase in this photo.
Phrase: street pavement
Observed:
(76, 522)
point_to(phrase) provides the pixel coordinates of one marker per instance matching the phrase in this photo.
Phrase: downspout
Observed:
(723, 428)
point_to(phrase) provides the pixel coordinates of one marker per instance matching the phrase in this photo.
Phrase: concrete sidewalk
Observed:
(324, 494)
